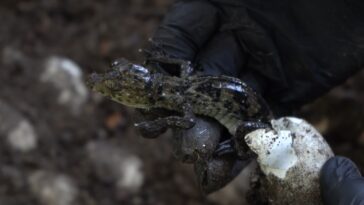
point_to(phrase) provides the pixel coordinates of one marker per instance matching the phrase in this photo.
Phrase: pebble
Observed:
(361, 139)
(23, 137)
(67, 77)
(53, 189)
(11, 55)
(115, 165)
(20, 133)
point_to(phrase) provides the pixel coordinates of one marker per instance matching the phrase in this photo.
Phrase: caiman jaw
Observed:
(96, 83)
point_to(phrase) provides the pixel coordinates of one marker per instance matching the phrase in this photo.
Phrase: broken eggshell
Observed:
(290, 157)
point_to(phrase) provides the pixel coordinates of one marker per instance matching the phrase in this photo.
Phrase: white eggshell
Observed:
(291, 156)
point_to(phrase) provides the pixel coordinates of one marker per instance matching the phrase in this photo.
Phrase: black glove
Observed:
(341, 183)
(291, 51)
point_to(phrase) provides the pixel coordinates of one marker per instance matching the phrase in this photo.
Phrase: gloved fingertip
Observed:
(341, 182)
(186, 28)
(334, 175)
(339, 168)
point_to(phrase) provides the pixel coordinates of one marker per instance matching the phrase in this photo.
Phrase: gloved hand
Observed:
(289, 51)
(341, 182)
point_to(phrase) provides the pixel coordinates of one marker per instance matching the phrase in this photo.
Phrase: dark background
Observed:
(61, 144)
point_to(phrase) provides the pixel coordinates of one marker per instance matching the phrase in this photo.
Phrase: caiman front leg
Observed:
(154, 128)
(237, 144)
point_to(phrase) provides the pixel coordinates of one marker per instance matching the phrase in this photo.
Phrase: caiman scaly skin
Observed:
(228, 100)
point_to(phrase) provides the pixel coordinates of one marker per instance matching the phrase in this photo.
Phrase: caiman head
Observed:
(125, 83)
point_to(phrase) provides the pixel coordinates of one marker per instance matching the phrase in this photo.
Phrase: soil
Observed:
(59, 166)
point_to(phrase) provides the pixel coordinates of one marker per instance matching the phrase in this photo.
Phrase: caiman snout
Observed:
(93, 79)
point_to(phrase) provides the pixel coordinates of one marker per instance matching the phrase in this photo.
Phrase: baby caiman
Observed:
(228, 100)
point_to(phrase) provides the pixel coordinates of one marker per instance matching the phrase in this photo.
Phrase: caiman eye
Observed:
(140, 69)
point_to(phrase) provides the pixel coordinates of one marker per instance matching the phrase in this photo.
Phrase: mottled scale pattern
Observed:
(226, 99)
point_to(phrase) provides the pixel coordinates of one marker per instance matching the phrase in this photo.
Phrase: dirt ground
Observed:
(62, 145)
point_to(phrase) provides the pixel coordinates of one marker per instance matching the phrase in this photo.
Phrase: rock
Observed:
(117, 166)
(22, 137)
(19, 132)
(53, 189)
(361, 139)
(115, 120)
(11, 56)
(323, 125)
(14, 175)
(290, 156)
(66, 76)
